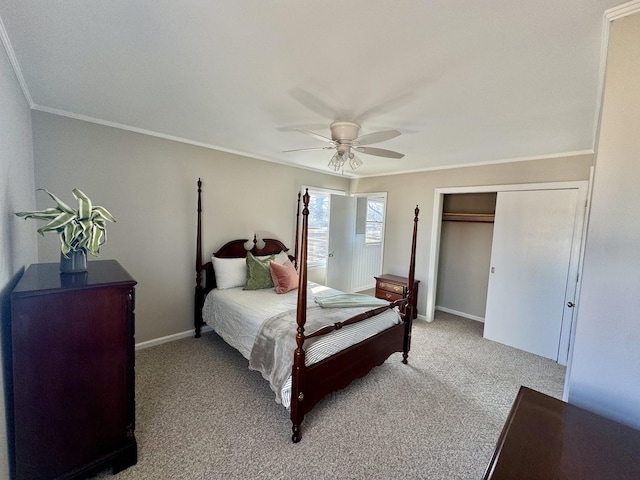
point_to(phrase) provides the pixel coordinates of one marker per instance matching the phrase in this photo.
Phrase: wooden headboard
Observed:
(236, 249)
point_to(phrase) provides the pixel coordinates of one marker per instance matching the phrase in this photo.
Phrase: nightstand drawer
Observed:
(389, 296)
(390, 287)
(393, 287)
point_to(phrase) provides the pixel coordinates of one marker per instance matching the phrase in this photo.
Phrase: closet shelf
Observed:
(468, 217)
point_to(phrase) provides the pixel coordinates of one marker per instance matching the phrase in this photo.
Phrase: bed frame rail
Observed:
(356, 318)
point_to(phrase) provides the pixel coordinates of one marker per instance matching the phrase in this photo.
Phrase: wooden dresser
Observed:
(546, 438)
(72, 341)
(393, 287)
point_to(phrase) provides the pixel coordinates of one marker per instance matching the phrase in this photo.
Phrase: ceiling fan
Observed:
(345, 140)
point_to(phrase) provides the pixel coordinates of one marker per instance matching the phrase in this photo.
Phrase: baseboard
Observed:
(363, 288)
(170, 338)
(460, 314)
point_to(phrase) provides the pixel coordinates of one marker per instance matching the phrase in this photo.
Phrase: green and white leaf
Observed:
(61, 205)
(84, 204)
(94, 243)
(65, 236)
(57, 223)
(101, 212)
(48, 214)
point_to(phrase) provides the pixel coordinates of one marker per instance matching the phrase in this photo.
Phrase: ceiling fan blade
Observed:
(293, 128)
(316, 135)
(376, 137)
(380, 152)
(307, 149)
(313, 103)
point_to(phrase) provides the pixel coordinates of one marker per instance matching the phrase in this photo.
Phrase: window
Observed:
(375, 220)
(318, 233)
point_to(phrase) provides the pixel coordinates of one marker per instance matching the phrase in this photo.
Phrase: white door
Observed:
(529, 273)
(342, 221)
(368, 241)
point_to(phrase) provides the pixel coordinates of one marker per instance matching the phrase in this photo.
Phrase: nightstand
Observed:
(393, 287)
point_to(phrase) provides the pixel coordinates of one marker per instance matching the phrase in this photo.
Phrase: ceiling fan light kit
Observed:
(354, 162)
(345, 139)
(337, 161)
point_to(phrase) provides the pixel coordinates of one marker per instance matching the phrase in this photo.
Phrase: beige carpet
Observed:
(201, 414)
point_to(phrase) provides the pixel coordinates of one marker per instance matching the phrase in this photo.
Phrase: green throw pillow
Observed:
(258, 272)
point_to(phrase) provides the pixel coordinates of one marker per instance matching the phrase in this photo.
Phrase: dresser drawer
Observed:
(390, 287)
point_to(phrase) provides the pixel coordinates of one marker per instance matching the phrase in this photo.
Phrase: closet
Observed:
(508, 256)
(465, 253)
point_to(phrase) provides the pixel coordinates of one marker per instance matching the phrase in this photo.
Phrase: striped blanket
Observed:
(272, 352)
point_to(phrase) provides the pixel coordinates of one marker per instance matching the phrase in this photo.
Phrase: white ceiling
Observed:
(464, 81)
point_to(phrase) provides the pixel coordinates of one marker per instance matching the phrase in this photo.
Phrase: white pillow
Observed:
(230, 272)
(280, 258)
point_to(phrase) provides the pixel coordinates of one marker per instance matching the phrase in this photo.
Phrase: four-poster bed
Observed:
(374, 333)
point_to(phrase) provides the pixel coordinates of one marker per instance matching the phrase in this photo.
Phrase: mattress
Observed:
(237, 315)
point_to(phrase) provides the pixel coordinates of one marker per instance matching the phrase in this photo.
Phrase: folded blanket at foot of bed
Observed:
(272, 353)
(346, 300)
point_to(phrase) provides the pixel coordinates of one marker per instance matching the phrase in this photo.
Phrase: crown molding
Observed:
(4, 37)
(173, 138)
(576, 153)
(623, 10)
(614, 13)
(347, 175)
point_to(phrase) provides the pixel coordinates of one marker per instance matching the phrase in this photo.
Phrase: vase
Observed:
(74, 262)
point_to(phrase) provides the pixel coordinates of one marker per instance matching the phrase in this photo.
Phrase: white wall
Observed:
(604, 374)
(405, 191)
(18, 247)
(149, 185)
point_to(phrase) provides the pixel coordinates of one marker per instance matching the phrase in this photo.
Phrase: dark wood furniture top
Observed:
(72, 364)
(311, 383)
(42, 277)
(394, 287)
(546, 438)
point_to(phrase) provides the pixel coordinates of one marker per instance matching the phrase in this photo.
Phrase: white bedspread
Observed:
(237, 315)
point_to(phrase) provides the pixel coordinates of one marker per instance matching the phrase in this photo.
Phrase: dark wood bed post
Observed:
(199, 298)
(297, 387)
(295, 259)
(408, 315)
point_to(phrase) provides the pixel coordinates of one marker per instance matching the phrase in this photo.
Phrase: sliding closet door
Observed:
(529, 275)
